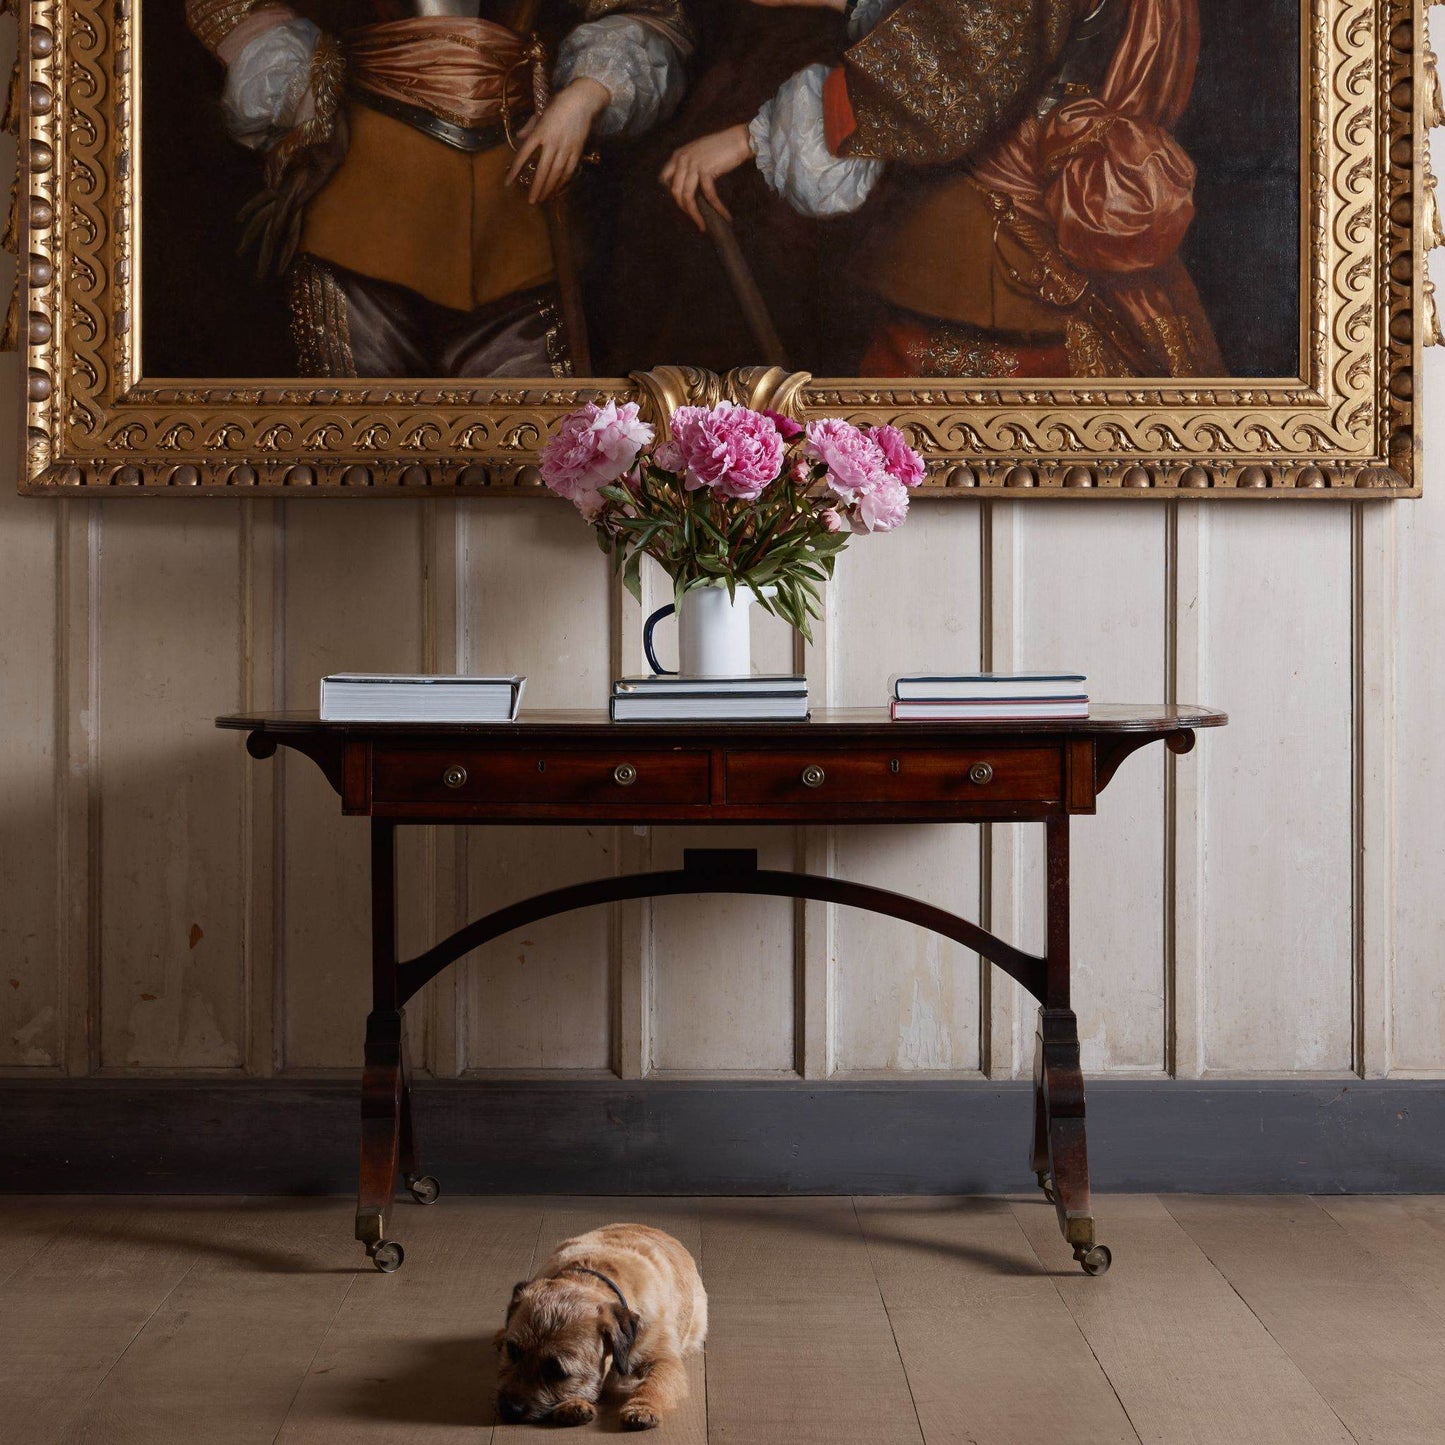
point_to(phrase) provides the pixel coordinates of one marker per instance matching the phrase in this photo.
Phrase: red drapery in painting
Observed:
(1107, 178)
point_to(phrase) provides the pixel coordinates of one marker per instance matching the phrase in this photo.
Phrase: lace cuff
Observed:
(640, 66)
(266, 83)
(788, 139)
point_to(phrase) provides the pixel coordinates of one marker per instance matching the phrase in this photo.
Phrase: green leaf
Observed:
(632, 575)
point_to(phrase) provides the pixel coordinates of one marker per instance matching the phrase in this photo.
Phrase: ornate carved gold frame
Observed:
(1346, 428)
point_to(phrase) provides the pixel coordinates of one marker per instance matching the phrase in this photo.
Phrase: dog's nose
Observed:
(510, 1410)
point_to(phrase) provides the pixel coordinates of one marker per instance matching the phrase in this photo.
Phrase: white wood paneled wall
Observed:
(1269, 905)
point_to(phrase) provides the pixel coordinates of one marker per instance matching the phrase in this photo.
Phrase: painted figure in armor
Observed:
(1022, 196)
(416, 164)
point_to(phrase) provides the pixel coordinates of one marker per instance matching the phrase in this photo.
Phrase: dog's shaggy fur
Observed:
(568, 1335)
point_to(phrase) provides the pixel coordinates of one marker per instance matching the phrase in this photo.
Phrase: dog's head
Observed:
(558, 1344)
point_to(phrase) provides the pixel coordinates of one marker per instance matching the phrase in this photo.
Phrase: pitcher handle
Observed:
(658, 669)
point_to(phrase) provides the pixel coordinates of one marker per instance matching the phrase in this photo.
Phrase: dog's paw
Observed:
(574, 1412)
(637, 1415)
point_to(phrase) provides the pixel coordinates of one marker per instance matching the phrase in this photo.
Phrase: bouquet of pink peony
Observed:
(733, 496)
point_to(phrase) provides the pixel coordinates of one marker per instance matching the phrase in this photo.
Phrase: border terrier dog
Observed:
(619, 1307)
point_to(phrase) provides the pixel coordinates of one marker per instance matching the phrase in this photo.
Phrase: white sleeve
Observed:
(792, 149)
(267, 81)
(640, 66)
(866, 14)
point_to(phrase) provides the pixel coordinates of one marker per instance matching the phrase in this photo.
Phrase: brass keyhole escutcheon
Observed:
(981, 773)
(624, 775)
(813, 776)
(893, 765)
(455, 776)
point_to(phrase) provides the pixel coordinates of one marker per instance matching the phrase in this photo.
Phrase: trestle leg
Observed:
(382, 1091)
(1063, 1163)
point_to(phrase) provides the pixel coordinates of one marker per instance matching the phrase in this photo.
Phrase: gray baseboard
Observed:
(286, 1136)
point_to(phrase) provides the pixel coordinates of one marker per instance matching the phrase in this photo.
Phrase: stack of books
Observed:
(723, 699)
(408, 697)
(989, 696)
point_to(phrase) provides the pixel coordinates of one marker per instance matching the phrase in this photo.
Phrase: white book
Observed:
(1003, 710)
(684, 707)
(675, 683)
(419, 697)
(936, 687)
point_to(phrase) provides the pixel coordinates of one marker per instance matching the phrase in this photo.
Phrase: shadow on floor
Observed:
(883, 1227)
(448, 1382)
(188, 1223)
(442, 1382)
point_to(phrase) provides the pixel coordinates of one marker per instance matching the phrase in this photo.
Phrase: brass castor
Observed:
(424, 1188)
(1046, 1183)
(387, 1255)
(1095, 1261)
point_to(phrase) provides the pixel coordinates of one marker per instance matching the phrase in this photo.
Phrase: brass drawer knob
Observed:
(624, 775)
(813, 776)
(455, 776)
(981, 773)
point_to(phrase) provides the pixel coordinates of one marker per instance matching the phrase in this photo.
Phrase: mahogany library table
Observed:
(841, 767)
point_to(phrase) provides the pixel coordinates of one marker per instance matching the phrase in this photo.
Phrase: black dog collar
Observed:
(596, 1274)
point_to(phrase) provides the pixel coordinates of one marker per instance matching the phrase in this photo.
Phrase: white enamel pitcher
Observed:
(714, 632)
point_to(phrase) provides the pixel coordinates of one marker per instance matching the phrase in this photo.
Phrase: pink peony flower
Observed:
(883, 506)
(729, 448)
(832, 519)
(787, 427)
(593, 448)
(852, 457)
(903, 463)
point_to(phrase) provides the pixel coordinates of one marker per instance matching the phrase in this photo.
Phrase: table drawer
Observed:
(620, 775)
(907, 775)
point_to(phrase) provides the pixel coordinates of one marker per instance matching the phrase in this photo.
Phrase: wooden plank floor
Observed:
(1282, 1321)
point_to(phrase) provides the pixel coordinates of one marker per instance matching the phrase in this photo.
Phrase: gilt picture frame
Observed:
(102, 417)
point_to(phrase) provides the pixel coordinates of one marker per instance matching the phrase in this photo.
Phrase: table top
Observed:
(1104, 719)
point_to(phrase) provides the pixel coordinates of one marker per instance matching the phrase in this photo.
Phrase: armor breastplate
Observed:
(1087, 56)
(447, 7)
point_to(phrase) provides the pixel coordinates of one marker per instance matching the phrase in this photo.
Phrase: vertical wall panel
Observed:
(721, 988)
(353, 602)
(1419, 1004)
(1185, 1025)
(907, 1000)
(1277, 791)
(536, 601)
(30, 958)
(1008, 1012)
(172, 788)
(1093, 600)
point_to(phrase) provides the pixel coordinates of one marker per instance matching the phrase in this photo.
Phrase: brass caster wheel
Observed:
(1046, 1183)
(424, 1189)
(1095, 1261)
(387, 1255)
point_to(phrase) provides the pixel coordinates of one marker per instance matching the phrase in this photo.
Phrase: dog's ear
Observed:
(517, 1289)
(619, 1329)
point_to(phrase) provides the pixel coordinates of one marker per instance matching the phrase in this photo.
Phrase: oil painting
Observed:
(1087, 246)
(911, 188)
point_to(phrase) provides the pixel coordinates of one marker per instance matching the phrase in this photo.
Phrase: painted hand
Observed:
(556, 139)
(696, 166)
